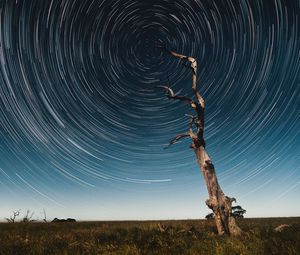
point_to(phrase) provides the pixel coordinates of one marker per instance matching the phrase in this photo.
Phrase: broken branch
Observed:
(177, 138)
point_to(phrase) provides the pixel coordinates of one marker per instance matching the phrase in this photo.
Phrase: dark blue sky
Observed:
(83, 127)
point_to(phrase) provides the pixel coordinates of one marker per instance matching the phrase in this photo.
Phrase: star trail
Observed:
(84, 126)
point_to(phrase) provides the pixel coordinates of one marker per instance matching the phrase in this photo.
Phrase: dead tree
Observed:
(45, 216)
(12, 218)
(28, 217)
(217, 201)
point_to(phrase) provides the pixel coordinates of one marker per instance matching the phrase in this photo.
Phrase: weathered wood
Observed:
(217, 201)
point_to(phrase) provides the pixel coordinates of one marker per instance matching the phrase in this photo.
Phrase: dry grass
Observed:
(178, 237)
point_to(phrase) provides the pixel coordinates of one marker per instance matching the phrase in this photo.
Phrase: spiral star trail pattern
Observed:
(83, 127)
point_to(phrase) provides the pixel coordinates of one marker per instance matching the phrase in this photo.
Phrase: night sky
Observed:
(83, 125)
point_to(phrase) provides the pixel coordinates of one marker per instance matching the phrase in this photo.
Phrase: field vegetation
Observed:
(150, 237)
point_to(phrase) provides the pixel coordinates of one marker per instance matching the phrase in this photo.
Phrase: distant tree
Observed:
(237, 213)
(12, 218)
(218, 202)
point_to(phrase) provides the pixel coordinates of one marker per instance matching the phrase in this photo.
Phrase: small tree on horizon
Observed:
(237, 212)
(12, 218)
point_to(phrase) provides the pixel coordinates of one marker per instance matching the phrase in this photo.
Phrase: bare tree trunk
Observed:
(217, 201)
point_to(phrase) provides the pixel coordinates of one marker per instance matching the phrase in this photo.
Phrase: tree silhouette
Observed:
(12, 218)
(210, 216)
(28, 216)
(237, 212)
(217, 201)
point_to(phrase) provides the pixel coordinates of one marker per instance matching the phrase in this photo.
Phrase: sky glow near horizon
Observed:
(83, 128)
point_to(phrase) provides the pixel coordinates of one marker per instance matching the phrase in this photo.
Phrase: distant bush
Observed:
(63, 220)
(210, 216)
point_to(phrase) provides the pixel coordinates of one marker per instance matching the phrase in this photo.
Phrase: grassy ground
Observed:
(173, 237)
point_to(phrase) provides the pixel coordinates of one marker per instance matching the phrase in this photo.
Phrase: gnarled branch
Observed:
(177, 138)
(171, 95)
(193, 66)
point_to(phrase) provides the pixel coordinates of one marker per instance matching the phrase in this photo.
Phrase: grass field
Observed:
(172, 237)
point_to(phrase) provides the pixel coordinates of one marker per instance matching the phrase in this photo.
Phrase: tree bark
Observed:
(217, 201)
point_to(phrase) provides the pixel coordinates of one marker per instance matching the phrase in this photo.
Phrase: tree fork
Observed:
(217, 201)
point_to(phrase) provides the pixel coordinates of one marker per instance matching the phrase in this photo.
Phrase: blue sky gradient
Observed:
(83, 127)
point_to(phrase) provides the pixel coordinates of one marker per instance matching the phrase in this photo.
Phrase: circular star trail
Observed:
(79, 103)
